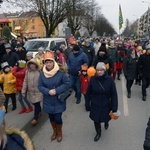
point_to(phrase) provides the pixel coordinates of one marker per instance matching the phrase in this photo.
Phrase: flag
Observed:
(120, 18)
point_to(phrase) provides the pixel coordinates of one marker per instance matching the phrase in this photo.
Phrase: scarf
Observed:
(51, 73)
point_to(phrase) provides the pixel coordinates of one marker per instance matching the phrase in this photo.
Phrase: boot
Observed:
(53, 137)
(23, 110)
(98, 131)
(59, 132)
(129, 94)
(34, 122)
(29, 109)
(144, 98)
(106, 125)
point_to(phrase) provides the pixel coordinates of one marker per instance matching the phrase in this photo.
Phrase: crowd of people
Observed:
(52, 76)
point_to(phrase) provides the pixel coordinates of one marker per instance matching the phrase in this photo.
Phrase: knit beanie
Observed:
(101, 65)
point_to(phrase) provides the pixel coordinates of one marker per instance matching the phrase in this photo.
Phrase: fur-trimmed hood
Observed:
(33, 61)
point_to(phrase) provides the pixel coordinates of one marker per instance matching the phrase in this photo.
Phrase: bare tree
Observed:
(92, 11)
(51, 12)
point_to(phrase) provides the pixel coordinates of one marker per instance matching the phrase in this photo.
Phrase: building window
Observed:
(32, 20)
(33, 27)
(26, 22)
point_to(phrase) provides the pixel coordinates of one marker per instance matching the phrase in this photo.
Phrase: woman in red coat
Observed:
(19, 72)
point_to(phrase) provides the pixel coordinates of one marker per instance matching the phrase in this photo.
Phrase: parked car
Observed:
(34, 44)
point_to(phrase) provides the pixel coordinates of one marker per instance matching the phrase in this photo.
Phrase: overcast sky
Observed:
(131, 9)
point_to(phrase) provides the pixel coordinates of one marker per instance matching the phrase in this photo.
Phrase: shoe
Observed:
(40, 114)
(14, 108)
(144, 98)
(129, 95)
(78, 101)
(59, 132)
(29, 109)
(34, 122)
(106, 125)
(98, 131)
(23, 110)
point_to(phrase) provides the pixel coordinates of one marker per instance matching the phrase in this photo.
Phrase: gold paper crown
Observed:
(4, 64)
(21, 63)
(49, 55)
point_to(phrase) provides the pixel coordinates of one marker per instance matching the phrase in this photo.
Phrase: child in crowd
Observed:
(19, 72)
(30, 86)
(40, 57)
(29, 56)
(84, 79)
(9, 85)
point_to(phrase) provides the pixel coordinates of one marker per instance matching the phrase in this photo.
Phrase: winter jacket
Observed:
(130, 67)
(19, 73)
(112, 51)
(2, 97)
(2, 51)
(90, 52)
(22, 54)
(75, 61)
(17, 140)
(146, 144)
(12, 58)
(61, 58)
(9, 82)
(107, 60)
(59, 81)
(144, 66)
(30, 84)
(84, 83)
(100, 100)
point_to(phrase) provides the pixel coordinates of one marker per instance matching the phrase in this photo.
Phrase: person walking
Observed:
(130, 69)
(9, 85)
(75, 60)
(19, 72)
(30, 86)
(52, 84)
(101, 98)
(144, 72)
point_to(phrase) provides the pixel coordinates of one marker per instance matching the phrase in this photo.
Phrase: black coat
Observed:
(11, 58)
(90, 53)
(106, 59)
(146, 145)
(2, 51)
(22, 54)
(144, 66)
(101, 100)
(130, 68)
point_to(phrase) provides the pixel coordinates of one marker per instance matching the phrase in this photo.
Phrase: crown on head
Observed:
(21, 63)
(4, 64)
(49, 55)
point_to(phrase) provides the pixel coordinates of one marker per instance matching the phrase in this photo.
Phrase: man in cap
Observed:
(76, 58)
(21, 52)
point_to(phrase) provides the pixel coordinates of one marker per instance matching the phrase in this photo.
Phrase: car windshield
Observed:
(34, 45)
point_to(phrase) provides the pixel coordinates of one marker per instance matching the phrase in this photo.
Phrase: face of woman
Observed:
(49, 64)
(100, 72)
(32, 66)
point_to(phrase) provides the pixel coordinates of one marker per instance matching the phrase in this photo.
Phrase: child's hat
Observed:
(21, 63)
(4, 65)
(84, 67)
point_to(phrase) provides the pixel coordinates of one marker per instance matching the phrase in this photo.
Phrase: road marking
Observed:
(125, 101)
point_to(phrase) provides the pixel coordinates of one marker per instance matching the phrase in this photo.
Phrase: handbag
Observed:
(63, 96)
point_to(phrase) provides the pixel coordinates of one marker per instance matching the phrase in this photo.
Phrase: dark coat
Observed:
(144, 66)
(75, 61)
(22, 54)
(130, 67)
(2, 51)
(11, 58)
(146, 145)
(90, 52)
(112, 51)
(106, 59)
(101, 100)
(52, 104)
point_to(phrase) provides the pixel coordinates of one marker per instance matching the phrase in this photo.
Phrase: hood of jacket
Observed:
(32, 61)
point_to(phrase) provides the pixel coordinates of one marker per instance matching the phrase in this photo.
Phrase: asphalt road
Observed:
(126, 133)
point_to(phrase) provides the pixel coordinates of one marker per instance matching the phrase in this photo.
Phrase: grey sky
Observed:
(131, 9)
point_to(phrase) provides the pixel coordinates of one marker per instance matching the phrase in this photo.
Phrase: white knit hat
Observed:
(101, 65)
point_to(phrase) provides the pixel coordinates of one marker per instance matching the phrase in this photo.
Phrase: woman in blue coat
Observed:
(53, 83)
(101, 98)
